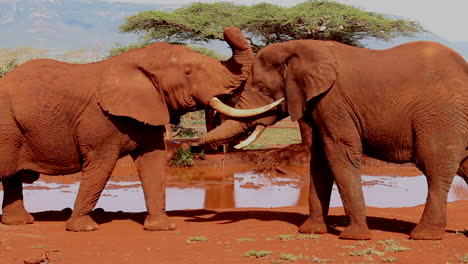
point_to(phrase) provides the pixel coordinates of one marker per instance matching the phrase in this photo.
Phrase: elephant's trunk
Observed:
(231, 73)
(226, 132)
(240, 63)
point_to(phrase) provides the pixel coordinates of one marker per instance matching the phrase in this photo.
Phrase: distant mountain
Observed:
(460, 47)
(65, 25)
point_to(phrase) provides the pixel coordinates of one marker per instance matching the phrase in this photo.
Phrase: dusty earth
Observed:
(230, 235)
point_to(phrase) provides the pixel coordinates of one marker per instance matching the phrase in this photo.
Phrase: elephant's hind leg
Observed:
(439, 159)
(13, 209)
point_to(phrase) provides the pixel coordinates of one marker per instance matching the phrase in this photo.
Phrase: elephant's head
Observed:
(161, 81)
(296, 70)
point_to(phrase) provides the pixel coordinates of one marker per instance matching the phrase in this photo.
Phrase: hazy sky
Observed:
(447, 18)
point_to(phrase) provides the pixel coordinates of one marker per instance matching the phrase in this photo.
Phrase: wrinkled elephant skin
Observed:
(59, 118)
(405, 104)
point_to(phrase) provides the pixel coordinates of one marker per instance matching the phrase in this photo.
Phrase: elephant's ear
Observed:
(128, 90)
(310, 71)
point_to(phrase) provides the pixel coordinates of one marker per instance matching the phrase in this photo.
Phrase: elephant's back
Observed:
(46, 97)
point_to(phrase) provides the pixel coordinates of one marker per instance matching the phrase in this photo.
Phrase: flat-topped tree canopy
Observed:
(267, 23)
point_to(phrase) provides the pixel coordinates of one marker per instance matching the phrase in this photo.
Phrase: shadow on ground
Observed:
(227, 217)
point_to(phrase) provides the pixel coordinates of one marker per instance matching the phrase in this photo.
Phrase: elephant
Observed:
(59, 118)
(408, 103)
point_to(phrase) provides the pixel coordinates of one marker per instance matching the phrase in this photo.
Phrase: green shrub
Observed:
(183, 158)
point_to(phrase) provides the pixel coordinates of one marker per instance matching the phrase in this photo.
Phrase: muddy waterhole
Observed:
(230, 187)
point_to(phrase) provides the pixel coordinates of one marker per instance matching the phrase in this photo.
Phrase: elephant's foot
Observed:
(356, 232)
(158, 223)
(16, 215)
(81, 223)
(426, 232)
(313, 227)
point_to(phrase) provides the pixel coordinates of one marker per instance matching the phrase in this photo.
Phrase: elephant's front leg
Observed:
(13, 209)
(95, 174)
(320, 188)
(345, 162)
(151, 162)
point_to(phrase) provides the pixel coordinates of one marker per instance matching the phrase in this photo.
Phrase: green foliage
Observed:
(464, 258)
(316, 259)
(245, 239)
(367, 252)
(290, 257)
(12, 58)
(391, 245)
(208, 52)
(389, 259)
(257, 254)
(196, 239)
(267, 23)
(183, 158)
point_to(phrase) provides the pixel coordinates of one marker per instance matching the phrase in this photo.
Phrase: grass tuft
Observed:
(196, 239)
(245, 239)
(389, 259)
(257, 254)
(391, 245)
(370, 251)
(183, 158)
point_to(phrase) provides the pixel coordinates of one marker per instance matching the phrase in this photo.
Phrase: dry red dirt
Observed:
(121, 238)
(231, 233)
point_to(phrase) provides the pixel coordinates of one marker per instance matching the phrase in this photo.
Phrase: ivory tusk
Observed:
(234, 112)
(254, 136)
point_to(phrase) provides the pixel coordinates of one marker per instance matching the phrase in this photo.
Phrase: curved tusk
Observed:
(254, 136)
(234, 112)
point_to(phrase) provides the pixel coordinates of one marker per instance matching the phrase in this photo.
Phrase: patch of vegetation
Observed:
(316, 259)
(276, 136)
(245, 239)
(289, 257)
(258, 254)
(389, 259)
(307, 237)
(183, 158)
(288, 237)
(196, 239)
(370, 251)
(391, 245)
(38, 246)
(464, 259)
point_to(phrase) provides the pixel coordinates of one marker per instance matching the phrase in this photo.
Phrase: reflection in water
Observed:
(229, 190)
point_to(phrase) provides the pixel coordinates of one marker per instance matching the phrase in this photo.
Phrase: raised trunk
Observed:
(234, 71)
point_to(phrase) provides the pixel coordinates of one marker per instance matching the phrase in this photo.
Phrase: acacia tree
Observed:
(267, 23)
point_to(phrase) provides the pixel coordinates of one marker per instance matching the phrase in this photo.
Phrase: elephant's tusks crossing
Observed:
(233, 112)
(255, 134)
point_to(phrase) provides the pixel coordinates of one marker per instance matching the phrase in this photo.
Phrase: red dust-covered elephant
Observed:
(404, 104)
(59, 118)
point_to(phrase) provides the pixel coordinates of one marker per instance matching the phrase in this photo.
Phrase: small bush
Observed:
(183, 158)
(196, 239)
(290, 257)
(389, 259)
(257, 254)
